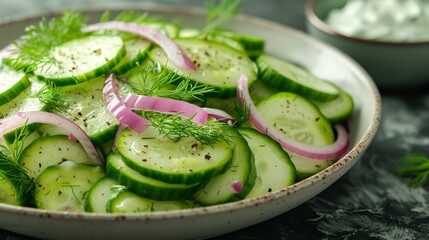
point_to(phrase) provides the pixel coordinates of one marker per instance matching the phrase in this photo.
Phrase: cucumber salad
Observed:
(138, 114)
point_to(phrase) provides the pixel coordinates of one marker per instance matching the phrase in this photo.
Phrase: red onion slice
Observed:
(327, 152)
(13, 122)
(122, 113)
(173, 51)
(219, 114)
(166, 105)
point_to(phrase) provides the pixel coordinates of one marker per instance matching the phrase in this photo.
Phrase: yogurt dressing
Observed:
(389, 20)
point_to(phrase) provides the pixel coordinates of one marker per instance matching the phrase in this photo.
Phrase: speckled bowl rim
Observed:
(318, 23)
(360, 147)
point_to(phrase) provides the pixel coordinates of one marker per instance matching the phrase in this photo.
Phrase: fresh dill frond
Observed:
(39, 39)
(160, 81)
(175, 127)
(241, 113)
(220, 12)
(12, 171)
(415, 167)
(132, 16)
(51, 96)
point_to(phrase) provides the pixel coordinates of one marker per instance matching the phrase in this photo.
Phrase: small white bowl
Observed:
(392, 65)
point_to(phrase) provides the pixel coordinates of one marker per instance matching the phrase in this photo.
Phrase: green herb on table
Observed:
(415, 168)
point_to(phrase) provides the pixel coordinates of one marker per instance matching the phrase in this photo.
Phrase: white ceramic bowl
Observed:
(392, 65)
(204, 222)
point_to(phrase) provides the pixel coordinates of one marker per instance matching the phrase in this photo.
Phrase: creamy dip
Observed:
(391, 20)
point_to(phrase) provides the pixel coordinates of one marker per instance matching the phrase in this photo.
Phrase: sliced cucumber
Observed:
(337, 109)
(85, 106)
(306, 167)
(64, 187)
(9, 192)
(82, 59)
(12, 83)
(220, 189)
(297, 118)
(145, 186)
(217, 66)
(286, 76)
(47, 151)
(101, 193)
(300, 119)
(185, 161)
(212, 36)
(253, 46)
(137, 52)
(26, 101)
(273, 166)
(128, 202)
(260, 91)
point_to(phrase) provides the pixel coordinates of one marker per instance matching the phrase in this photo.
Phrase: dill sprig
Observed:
(51, 96)
(175, 127)
(159, 81)
(12, 171)
(415, 167)
(220, 12)
(39, 39)
(241, 113)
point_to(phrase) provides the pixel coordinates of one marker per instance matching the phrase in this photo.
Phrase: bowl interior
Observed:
(318, 57)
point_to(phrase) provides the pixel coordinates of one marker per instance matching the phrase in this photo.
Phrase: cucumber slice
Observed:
(217, 66)
(128, 202)
(47, 151)
(22, 103)
(12, 83)
(337, 109)
(64, 187)
(85, 106)
(253, 46)
(185, 161)
(82, 59)
(260, 91)
(297, 118)
(146, 186)
(25, 101)
(273, 166)
(300, 119)
(9, 193)
(101, 193)
(286, 76)
(242, 171)
(137, 52)
(306, 167)
(213, 37)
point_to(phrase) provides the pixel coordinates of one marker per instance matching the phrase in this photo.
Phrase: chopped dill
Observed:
(50, 95)
(11, 170)
(159, 81)
(175, 127)
(39, 39)
(220, 12)
(241, 113)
